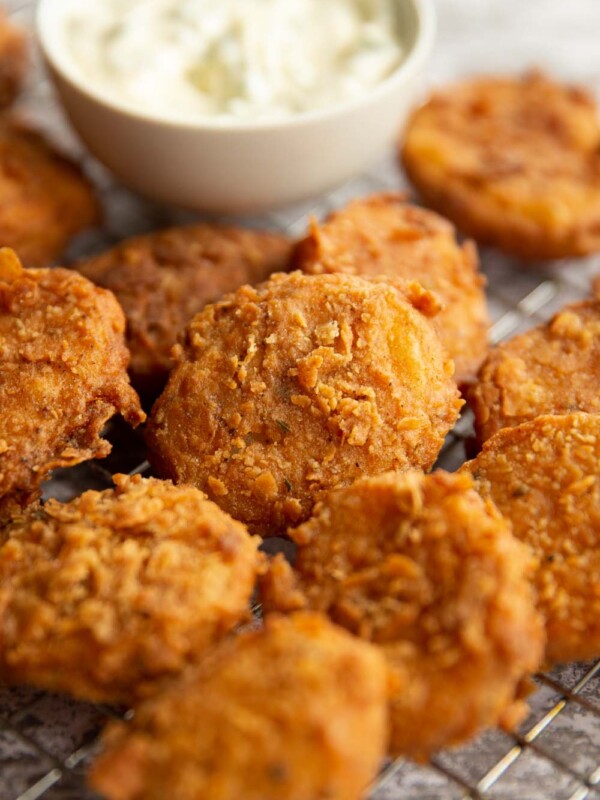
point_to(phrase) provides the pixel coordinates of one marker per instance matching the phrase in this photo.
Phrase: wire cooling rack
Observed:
(47, 741)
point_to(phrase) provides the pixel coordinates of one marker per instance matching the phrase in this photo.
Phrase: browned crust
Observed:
(544, 476)
(385, 235)
(427, 570)
(63, 375)
(45, 198)
(164, 278)
(301, 384)
(109, 595)
(14, 60)
(514, 162)
(551, 369)
(293, 712)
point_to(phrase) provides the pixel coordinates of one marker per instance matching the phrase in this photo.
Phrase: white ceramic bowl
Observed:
(243, 167)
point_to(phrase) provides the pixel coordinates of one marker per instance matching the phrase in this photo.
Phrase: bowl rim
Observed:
(420, 49)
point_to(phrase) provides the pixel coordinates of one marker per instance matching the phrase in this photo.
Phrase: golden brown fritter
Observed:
(423, 567)
(301, 384)
(14, 59)
(384, 235)
(551, 369)
(44, 198)
(63, 374)
(164, 278)
(544, 476)
(514, 162)
(106, 596)
(296, 711)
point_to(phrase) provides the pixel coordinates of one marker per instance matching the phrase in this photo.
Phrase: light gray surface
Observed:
(44, 740)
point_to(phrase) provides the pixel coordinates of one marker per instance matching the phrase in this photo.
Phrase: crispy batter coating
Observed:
(514, 162)
(544, 476)
(426, 569)
(296, 711)
(106, 596)
(14, 59)
(44, 198)
(384, 235)
(551, 369)
(164, 278)
(63, 374)
(301, 384)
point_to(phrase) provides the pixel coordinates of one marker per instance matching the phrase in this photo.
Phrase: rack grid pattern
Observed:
(46, 741)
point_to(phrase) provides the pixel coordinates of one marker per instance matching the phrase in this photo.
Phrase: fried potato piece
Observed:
(514, 162)
(14, 60)
(384, 235)
(296, 711)
(63, 374)
(303, 383)
(551, 369)
(544, 476)
(106, 596)
(164, 278)
(423, 567)
(45, 199)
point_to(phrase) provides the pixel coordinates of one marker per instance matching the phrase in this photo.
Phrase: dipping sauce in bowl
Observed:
(235, 59)
(236, 106)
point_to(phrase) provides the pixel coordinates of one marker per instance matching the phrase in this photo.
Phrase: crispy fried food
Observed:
(551, 369)
(296, 711)
(384, 235)
(14, 59)
(106, 596)
(514, 162)
(544, 476)
(44, 198)
(596, 286)
(164, 278)
(63, 374)
(301, 384)
(426, 569)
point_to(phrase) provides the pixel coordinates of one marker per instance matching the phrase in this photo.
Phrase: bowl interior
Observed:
(416, 26)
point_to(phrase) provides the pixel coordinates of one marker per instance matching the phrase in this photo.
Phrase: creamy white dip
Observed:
(233, 60)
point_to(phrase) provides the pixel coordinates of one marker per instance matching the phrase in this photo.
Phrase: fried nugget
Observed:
(107, 596)
(544, 476)
(384, 235)
(551, 369)
(164, 278)
(514, 162)
(424, 568)
(301, 384)
(296, 711)
(44, 198)
(63, 374)
(14, 59)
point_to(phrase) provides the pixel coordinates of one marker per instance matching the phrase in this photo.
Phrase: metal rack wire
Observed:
(46, 741)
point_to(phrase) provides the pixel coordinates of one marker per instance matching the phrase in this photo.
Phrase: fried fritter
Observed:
(384, 235)
(44, 198)
(106, 596)
(514, 162)
(551, 369)
(544, 476)
(296, 711)
(301, 384)
(13, 60)
(164, 278)
(424, 568)
(63, 374)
